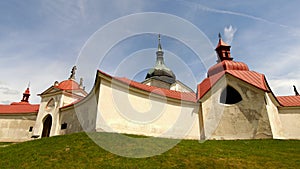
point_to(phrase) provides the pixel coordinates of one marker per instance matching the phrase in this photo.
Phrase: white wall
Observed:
(15, 127)
(124, 109)
(290, 120)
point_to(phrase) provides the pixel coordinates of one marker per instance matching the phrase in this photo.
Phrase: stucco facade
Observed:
(16, 127)
(233, 102)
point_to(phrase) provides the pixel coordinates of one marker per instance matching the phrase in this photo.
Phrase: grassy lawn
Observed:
(78, 151)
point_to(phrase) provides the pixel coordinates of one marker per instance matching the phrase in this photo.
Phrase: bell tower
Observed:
(223, 50)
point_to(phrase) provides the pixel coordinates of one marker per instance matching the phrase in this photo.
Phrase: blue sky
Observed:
(40, 41)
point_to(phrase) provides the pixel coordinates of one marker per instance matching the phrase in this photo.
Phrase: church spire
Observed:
(223, 50)
(159, 53)
(159, 48)
(160, 71)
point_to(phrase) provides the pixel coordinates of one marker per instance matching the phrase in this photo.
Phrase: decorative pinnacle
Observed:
(220, 37)
(159, 44)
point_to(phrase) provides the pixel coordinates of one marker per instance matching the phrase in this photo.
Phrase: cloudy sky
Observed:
(40, 41)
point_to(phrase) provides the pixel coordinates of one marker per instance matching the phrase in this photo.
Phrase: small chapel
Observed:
(232, 102)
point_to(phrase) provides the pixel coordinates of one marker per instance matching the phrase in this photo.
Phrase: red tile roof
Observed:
(256, 79)
(19, 108)
(207, 84)
(289, 101)
(186, 96)
(236, 69)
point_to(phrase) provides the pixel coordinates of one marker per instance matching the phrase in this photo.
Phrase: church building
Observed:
(232, 102)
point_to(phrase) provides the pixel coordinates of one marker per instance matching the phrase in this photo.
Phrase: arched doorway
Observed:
(47, 126)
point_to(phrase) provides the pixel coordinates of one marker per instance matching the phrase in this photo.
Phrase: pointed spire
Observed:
(159, 53)
(159, 44)
(223, 50)
(295, 90)
(72, 76)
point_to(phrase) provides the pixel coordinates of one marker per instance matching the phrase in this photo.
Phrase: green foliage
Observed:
(79, 151)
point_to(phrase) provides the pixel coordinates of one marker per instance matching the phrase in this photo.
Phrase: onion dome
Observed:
(160, 70)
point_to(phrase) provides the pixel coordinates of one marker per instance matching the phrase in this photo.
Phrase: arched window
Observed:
(230, 96)
(50, 105)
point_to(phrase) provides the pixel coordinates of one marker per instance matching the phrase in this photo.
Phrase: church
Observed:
(232, 102)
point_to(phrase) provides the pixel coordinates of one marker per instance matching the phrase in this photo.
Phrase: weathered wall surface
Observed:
(290, 120)
(128, 110)
(81, 116)
(275, 122)
(15, 128)
(247, 119)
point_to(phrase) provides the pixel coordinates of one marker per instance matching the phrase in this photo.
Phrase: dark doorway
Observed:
(47, 126)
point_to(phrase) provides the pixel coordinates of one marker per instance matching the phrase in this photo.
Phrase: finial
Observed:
(81, 82)
(159, 44)
(72, 76)
(220, 37)
(295, 90)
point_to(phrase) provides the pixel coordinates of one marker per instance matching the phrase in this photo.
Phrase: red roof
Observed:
(289, 101)
(236, 69)
(68, 85)
(226, 65)
(19, 108)
(186, 96)
(207, 84)
(221, 43)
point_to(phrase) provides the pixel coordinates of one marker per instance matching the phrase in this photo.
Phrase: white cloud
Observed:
(284, 86)
(229, 33)
(8, 91)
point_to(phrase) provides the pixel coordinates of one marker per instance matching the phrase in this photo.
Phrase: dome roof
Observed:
(226, 65)
(68, 85)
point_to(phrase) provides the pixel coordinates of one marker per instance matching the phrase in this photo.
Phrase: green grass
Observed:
(78, 151)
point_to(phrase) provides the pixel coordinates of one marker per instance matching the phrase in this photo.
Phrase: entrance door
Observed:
(47, 126)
